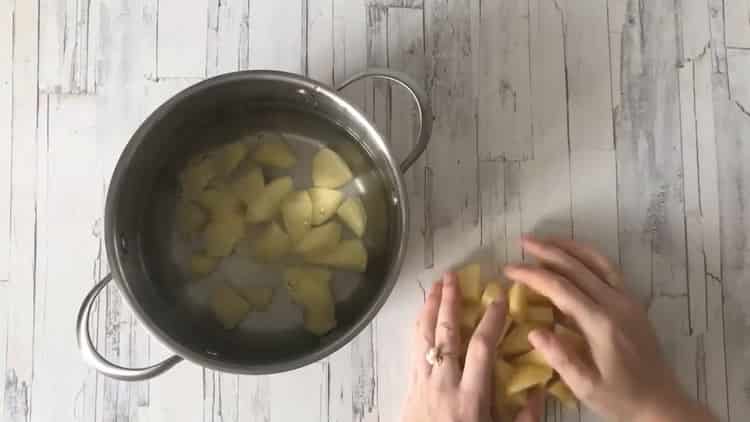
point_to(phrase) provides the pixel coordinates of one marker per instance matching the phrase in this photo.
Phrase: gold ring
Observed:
(436, 356)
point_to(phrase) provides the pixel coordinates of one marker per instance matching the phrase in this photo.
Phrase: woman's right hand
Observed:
(625, 376)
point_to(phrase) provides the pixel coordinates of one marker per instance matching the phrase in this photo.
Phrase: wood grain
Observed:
(623, 123)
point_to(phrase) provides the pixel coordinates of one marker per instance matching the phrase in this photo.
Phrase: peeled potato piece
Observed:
(469, 282)
(526, 376)
(220, 203)
(202, 264)
(267, 203)
(329, 170)
(274, 152)
(503, 370)
(516, 341)
(532, 357)
(230, 308)
(562, 392)
(320, 239)
(348, 255)
(229, 156)
(534, 297)
(190, 217)
(272, 243)
(470, 315)
(319, 322)
(297, 212)
(220, 236)
(492, 292)
(352, 212)
(570, 337)
(517, 302)
(248, 186)
(544, 315)
(517, 400)
(309, 287)
(259, 298)
(196, 176)
(325, 202)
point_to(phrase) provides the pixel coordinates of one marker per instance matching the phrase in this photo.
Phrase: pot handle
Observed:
(420, 97)
(101, 364)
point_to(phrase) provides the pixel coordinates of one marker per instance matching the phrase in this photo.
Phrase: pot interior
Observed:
(150, 257)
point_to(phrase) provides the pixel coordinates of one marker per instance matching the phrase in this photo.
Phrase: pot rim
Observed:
(113, 251)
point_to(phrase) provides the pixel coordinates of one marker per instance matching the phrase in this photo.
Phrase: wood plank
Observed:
(319, 48)
(21, 281)
(695, 31)
(6, 115)
(405, 48)
(276, 35)
(737, 25)
(649, 159)
(228, 38)
(513, 212)
(493, 212)
(616, 12)
(738, 63)
(504, 113)
(181, 53)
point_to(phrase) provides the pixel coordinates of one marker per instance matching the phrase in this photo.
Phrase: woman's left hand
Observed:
(444, 392)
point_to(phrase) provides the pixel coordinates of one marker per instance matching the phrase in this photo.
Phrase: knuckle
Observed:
(480, 347)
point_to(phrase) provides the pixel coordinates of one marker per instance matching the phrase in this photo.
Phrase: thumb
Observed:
(573, 369)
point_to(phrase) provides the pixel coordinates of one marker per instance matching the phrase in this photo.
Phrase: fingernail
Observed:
(449, 278)
(537, 337)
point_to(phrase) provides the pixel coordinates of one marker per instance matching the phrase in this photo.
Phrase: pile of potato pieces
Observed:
(518, 367)
(221, 199)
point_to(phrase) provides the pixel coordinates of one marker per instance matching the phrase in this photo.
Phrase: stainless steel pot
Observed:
(139, 185)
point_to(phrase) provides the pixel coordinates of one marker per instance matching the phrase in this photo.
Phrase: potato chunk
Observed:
(309, 287)
(352, 212)
(470, 315)
(297, 211)
(272, 243)
(259, 298)
(248, 186)
(265, 206)
(348, 255)
(190, 217)
(570, 337)
(517, 302)
(325, 203)
(201, 264)
(469, 282)
(220, 237)
(319, 322)
(220, 203)
(543, 315)
(532, 357)
(516, 341)
(526, 376)
(329, 170)
(493, 291)
(196, 176)
(274, 152)
(562, 392)
(228, 307)
(320, 239)
(229, 156)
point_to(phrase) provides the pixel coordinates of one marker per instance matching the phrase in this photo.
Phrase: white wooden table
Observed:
(621, 122)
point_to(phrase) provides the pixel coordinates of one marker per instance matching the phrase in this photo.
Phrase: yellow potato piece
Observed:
(190, 217)
(526, 376)
(352, 212)
(544, 315)
(248, 186)
(469, 282)
(309, 287)
(329, 170)
(220, 203)
(201, 265)
(229, 156)
(220, 237)
(570, 337)
(265, 206)
(517, 303)
(531, 357)
(230, 308)
(325, 203)
(297, 212)
(503, 370)
(274, 152)
(561, 391)
(518, 399)
(272, 243)
(492, 292)
(470, 315)
(259, 298)
(196, 176)
(347, 255)
(321, 239)
(532, 296)
(319, 322)
(516, 341)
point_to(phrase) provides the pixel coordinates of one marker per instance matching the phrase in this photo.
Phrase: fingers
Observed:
(534, 408)
(571, 268)
(578, 374)
(480, 357)
(424, 337)
(447, 332)
(591, 258)
(564, 294)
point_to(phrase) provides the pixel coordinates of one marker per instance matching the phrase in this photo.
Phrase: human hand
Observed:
(443, 392)
(625, 377)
